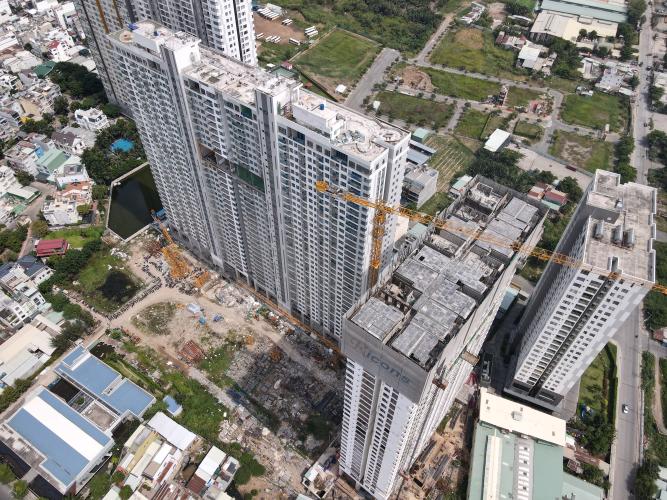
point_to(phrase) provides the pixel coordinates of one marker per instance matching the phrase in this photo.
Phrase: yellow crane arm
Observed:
(477, 234)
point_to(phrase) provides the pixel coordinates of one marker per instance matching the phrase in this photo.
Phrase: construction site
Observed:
(283, 383)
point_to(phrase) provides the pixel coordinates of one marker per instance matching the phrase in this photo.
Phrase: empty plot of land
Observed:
(451, 157)
(530, 131)
(520, 97)
(584, 152)
(415, 110)
(276, 28)
(596, 111)
(339, 58)
(479, 125)
(464, 87)
(474, 50)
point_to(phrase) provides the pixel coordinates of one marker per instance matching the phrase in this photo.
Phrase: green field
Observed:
(414, 110)
(530, 131)
(518, 97)
(597, 388)
(596, 111)
(584, 152)
(563, 84)
(340, 57)
(464, 87)
(494, 121)
(474, 50)
(451, 158)
(436, 204)
(471, 124)
(105, 283)
(77, 237)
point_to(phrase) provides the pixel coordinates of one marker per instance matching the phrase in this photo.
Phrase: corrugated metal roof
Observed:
(68, 441)
(588, 8)
(103, 382)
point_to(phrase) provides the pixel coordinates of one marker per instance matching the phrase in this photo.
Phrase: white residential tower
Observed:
(576, 309)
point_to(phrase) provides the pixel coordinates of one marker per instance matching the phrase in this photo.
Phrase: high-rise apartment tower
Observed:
(575, 311)
(236, 151)
(223, 25)
(412, 341)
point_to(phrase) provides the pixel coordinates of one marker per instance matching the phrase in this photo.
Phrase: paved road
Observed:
(631, 340)
(423, 55)
(373, 76)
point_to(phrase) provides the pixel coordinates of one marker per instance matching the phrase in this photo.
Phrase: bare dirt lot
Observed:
(276, 28)
(416, 79)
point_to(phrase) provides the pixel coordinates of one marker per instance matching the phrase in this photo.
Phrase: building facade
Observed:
(411, 342)
(236, 151)
(576, 310)
(224, 25)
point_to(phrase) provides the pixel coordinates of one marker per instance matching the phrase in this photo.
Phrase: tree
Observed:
(111, 110)
(125, 492)
(20, 488)
(570, 186)
(58, 301)
(39, 228)
(117, 477)
(60, 105)
(593, 35)
(6, 474)
(28, 47)
(100, 192)
(647, 473)
(634, 81)
(84, 209)
(657, 146)
(24, 177)
(582, 33)
(42, 126)
(597, 434)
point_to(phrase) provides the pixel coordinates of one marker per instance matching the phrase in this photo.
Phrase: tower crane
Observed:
(178, 265)
(382, 210)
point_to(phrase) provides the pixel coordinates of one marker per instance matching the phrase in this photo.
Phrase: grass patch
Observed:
(340, 57)
(216, 364)
(464, 87)
(474, 50)
(496, 120)
(520, 97)
(562, 84)
(155, 319)
(105, 283)
(471, 124)
(414, 110)
(436, 203)
(585, 152)
(598, 383)
(317, 426)
(77, 237)
(596, 111)
(451, 157)
(528, 130)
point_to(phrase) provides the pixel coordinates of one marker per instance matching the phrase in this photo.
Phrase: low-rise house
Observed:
(153, 454)
(24, 156)
(548, 196)
(61, 212)
(91, 119)
(70, 173)
(69, 142)
(27, 268)
(11, 188)
(81, 193)
(214, 474)
(19, 304)
(19, 61)
(87, 136)
(26, 351)
(419, 185)
(497, 140)
(47, 248)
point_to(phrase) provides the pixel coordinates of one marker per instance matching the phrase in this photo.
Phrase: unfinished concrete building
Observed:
(412, 341)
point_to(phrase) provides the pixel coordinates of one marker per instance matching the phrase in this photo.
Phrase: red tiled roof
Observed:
(556, 196)
(50, 247)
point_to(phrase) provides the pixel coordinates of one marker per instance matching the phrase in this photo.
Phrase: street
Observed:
(373, 76)
(632, 338)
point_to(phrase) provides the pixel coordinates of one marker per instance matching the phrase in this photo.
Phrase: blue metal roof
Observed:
(172, 405)
(104, 383)
(61, 460)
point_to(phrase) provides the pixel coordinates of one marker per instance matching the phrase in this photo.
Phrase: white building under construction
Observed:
(236, 151)
(575, 310)
(413, 340)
